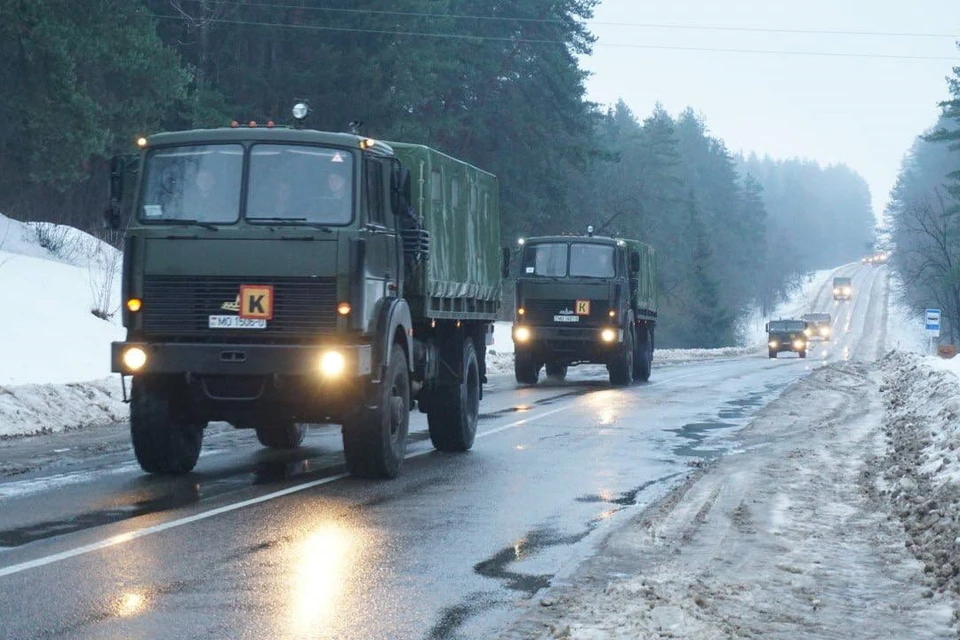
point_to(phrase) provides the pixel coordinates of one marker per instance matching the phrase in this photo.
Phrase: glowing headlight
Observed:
(836, 291)
(798, 344)
(608, 335)
(332, 363)
(825, 331)
(134, 358)
(300, 110)
(773, 344)
(521, 334)
(847, 291)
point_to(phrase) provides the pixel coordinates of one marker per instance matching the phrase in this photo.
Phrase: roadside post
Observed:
(931, 325)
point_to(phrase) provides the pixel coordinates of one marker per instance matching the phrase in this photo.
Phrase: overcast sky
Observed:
(861, 111)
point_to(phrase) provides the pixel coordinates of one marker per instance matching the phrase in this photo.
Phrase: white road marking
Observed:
(173, 524)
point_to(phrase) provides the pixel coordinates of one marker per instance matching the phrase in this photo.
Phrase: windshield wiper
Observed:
(303, 221)
(184, 222)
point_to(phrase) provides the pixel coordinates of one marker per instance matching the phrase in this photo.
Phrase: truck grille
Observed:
(181, 305)
(543, 311)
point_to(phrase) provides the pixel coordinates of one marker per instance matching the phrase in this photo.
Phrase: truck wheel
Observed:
(525, 368)
(621, 368)
(803, 353)
(165, 438)
(375, 439)
(772, 353)
(285, 436)
(643, 355)
(558, 371)
(452, 420)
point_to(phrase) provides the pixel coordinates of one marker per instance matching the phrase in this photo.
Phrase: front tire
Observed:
(166, 439)
(525, 368)
(772, 353)
(556, 371)
(286, 436)
(621, 369)
(803, 354)
(454, 411)
(375, 437)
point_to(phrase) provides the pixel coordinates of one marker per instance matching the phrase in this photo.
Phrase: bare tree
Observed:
(928, 256)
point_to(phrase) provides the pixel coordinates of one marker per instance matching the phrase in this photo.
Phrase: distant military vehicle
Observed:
(842, 288)
(582, 299)
(786, 335)
(819, 326)
(278, 276)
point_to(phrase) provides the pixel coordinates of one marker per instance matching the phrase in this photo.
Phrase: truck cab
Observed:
(786, 335)
(819, 326)
(842, 288)
(584, 299)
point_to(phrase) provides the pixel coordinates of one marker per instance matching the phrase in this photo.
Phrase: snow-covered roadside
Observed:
(55, 361)
(838, 517)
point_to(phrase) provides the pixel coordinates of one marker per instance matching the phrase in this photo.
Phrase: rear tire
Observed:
(286, 436)
(621, 369)
(643, 354)
(453, 415)
(556, 371)
(375, 438)
(166, 439)
(525, 368)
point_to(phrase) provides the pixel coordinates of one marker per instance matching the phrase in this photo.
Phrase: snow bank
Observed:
(53, 277)
(922, 478)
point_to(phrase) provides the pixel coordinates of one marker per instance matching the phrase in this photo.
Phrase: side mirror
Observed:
(634, 262)
(111, 215)
(399, 189)
(505, 263)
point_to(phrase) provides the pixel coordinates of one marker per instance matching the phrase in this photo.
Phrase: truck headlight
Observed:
(521, 334)
(798, 344)
(847, 291)
(134, 358)
(824, 331)
(773, 344)
(332, 363)
(608, 335)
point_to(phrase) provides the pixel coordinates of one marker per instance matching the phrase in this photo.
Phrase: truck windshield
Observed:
(200, 183)
(576, 260)
(300, 183)
(787, 325)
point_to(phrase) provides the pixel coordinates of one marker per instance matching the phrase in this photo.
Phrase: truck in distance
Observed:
(585, 299)
(842, 288)
(281, 276)
(786, 335)
(819, 326)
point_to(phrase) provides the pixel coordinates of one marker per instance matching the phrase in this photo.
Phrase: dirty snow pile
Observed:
(922, 478)
(54, 279)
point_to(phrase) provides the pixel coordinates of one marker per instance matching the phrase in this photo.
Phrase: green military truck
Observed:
(786, 335)
(275, 277)
(585, 299)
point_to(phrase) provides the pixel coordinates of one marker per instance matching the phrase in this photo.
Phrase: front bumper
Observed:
(569, 344)
(239, 359)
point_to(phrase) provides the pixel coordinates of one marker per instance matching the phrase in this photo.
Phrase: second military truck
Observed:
(585, 299)
(280, 276)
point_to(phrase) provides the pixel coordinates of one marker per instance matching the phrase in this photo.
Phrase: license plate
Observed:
(236, 322)
(566, 318)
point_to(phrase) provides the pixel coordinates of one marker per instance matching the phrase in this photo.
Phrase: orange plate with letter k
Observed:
(256, 301)
(582, 307)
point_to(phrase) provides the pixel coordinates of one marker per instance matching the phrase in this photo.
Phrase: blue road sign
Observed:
(931, 321)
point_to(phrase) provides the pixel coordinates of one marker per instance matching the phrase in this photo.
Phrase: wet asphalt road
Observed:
(259, 543)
